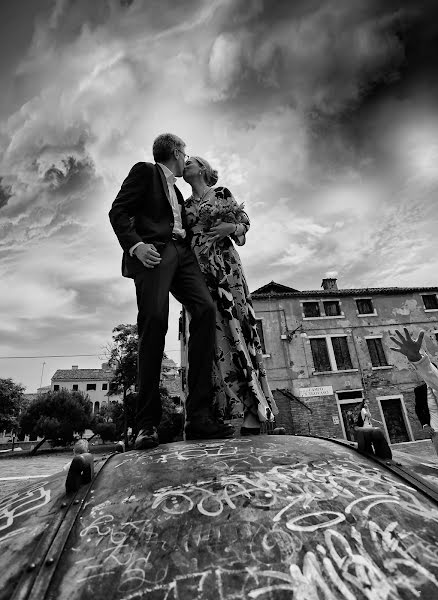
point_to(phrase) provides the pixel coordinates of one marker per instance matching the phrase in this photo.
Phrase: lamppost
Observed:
(42, 371)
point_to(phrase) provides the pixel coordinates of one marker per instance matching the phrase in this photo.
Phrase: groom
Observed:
(148, 218)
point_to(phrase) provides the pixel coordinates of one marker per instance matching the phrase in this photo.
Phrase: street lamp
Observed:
(42, 371)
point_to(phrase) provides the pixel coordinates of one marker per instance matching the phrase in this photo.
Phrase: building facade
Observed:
(94, 382)
(325, 350)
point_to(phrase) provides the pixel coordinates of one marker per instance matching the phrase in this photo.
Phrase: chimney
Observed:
(329, 283)
(74, 367)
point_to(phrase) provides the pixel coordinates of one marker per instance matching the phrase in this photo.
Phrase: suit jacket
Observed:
(421, 407)
(142, 212)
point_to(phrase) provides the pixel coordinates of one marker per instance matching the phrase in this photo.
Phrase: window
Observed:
(365, 306)
(320, 354)
(331, 308)
(91, 386)
(377, 354)
(311, 309)
(75, 387)
(104, 386)
(342, 354)
(96, 407)
(56, 388)
(259, 324)
(331, 354)
(430, 302)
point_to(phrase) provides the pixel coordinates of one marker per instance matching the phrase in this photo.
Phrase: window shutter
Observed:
(320, 354)
(377, 354)
(365, 307)
(342, 354)
(332, 308)
(311, 309)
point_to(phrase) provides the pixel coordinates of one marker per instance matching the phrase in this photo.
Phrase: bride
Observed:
(214, 222)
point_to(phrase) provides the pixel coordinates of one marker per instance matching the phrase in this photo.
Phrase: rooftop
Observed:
(83, 374)
(278, 290)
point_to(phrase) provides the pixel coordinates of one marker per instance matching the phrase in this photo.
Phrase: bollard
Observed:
(120, 446)
(279, 431)
(81, 471)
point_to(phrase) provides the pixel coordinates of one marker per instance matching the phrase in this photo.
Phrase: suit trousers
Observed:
(179, 274)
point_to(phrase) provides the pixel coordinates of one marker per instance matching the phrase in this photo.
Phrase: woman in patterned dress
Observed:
(238, 372)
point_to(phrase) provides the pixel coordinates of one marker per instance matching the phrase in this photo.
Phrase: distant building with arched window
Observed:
(94, 382)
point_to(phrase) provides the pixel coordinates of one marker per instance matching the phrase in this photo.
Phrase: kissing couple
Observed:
(187, 248)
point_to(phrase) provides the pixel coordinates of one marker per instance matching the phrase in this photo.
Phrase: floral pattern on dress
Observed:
(239, 374)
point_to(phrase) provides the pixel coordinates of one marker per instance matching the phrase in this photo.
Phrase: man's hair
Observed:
(164, 145)
(81, 447)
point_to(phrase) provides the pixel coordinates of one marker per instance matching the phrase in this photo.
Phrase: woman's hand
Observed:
(407, 345)
(220, 231)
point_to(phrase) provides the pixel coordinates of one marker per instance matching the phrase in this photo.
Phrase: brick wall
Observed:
(284, 417)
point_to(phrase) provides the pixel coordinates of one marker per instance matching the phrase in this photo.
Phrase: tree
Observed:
(106, 430)
(119, 413)
(57, 416)
(11, 404)
(122, 358)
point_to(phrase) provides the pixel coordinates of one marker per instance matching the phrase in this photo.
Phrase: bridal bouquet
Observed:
(225, 210)
(222, 210)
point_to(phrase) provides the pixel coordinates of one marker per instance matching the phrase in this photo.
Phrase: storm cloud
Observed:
(319, 115)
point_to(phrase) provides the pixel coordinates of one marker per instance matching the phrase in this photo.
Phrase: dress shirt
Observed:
(178, 229)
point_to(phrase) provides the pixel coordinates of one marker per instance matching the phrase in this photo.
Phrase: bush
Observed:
(172, 421)
(107, 431)
(57, 416)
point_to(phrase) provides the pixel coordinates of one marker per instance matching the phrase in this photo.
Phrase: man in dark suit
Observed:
(148, 218)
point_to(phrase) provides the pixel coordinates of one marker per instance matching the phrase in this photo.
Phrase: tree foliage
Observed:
(122, 358)
(58, 415)
(122, 355)
(12, 403)
(106, 430)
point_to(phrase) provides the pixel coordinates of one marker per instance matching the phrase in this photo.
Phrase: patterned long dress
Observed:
(239, 374)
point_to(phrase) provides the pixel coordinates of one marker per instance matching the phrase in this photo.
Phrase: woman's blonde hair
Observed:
(210, 174)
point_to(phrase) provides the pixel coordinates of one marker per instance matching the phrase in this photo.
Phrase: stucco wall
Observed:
(289, 360)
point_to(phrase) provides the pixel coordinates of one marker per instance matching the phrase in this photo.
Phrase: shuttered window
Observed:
(332, 308)
(311, 309)
(377, 353)
(337, 347)
(430, 301)
(365, 306)
(321, 358)
(342, 353)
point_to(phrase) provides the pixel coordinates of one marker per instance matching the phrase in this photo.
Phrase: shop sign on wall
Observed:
(322, 390)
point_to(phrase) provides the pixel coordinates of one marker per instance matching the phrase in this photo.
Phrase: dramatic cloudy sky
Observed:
(321, 115)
